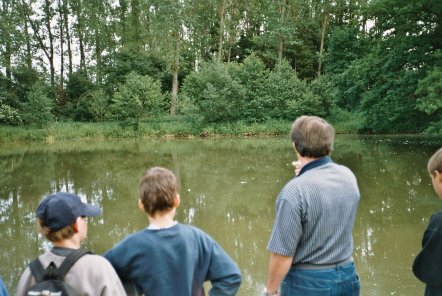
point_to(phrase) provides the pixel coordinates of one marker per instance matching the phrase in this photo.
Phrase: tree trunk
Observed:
(321, 49)
(6, 39)
(7, 58)
(28, 46)
(98, 56)
(50, 53)
(68, 34)
(232, 32)
(221, 30)
(77, 7)
(281, 37)
(60, 10)
(175, 69)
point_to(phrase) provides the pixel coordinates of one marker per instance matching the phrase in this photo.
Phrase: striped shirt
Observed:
(315, 213)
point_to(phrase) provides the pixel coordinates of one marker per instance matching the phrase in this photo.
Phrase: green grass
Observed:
(163, 127)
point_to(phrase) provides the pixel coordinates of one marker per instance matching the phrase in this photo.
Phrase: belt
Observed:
(322, 266)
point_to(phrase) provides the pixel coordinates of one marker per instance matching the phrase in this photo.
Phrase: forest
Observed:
(374, 62)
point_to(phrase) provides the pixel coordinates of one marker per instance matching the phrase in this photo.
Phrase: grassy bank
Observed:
(165, 127)
(160, 128)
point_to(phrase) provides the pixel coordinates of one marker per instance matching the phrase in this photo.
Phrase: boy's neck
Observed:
(161, 220)
(72, 243)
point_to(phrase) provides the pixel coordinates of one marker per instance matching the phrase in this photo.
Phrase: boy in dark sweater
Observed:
(427, 265)
(170, 258)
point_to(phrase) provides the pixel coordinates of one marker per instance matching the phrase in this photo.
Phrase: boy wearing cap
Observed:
(170, 258)
(427, 265)
(61, 218)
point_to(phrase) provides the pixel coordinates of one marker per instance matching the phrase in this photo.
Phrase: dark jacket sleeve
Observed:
(427, 265)
(223, 274)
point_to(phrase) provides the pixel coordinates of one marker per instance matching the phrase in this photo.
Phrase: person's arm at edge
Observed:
(224, 274)
(425, 265)
(279, 266)
(26, 280)
(116, 258)
(110, 281)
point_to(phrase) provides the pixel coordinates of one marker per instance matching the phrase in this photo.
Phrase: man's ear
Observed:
(140, 205)
(177, 201)
(438, 176)
(75, 225)
(296, 151)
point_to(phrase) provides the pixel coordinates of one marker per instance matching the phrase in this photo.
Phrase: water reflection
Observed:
(228, 188)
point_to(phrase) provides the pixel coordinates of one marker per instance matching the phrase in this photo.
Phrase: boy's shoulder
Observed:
(436, 218)
(178, 232)
(89, 259)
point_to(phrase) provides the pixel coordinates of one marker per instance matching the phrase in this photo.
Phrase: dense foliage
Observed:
(377, 63)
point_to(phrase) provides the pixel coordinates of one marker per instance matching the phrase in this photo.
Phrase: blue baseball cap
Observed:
(61, 209)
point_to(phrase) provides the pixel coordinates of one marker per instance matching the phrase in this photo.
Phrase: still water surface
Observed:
(228, 188)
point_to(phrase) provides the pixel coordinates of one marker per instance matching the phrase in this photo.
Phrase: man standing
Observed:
(311, 243)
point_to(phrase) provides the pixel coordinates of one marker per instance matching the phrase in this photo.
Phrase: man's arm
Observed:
(279, 265)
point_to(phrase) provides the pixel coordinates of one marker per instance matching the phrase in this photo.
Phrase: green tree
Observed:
(214, 93)
(77, 86)
(346, 45)
(38, 109)
(138, 98)
(9, 115)
(23, 79)
(252, 76)
(408, 34)
(287, 96)
(429, 91)
(94, 105)
(127, 60)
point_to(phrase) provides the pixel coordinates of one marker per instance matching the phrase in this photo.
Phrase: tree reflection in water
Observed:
(228, 188)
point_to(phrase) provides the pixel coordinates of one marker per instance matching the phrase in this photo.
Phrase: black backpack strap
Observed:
(69, 261)
(37, 270)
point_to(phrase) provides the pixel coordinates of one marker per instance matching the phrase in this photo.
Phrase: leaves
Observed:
(138, 98)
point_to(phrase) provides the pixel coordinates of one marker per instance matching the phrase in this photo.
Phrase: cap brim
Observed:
(90, 210)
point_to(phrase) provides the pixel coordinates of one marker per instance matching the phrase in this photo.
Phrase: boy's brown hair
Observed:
(312, 136)
(57, 235)
(158, 190)
(435, 163)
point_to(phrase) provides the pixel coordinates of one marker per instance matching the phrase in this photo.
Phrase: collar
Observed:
(153, 226)
(315, 163)
(62, 251)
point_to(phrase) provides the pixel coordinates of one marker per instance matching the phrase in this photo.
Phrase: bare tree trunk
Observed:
(321, 49)
(221, 29)
(60, 10)
(175, 69)
(98, 56)
(7, 58)
(82, 54)
(232, 32)
(76, 9)
(7, 40)
(28, 46)
(68, 34)
(281, 37)
(50, 53)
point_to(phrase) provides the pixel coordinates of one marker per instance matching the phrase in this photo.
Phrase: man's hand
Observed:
(278, 267)
(298, 166)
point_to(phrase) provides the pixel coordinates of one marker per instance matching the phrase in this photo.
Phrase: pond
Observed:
(228, 189)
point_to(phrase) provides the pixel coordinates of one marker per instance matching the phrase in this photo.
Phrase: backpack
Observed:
(50, 281)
